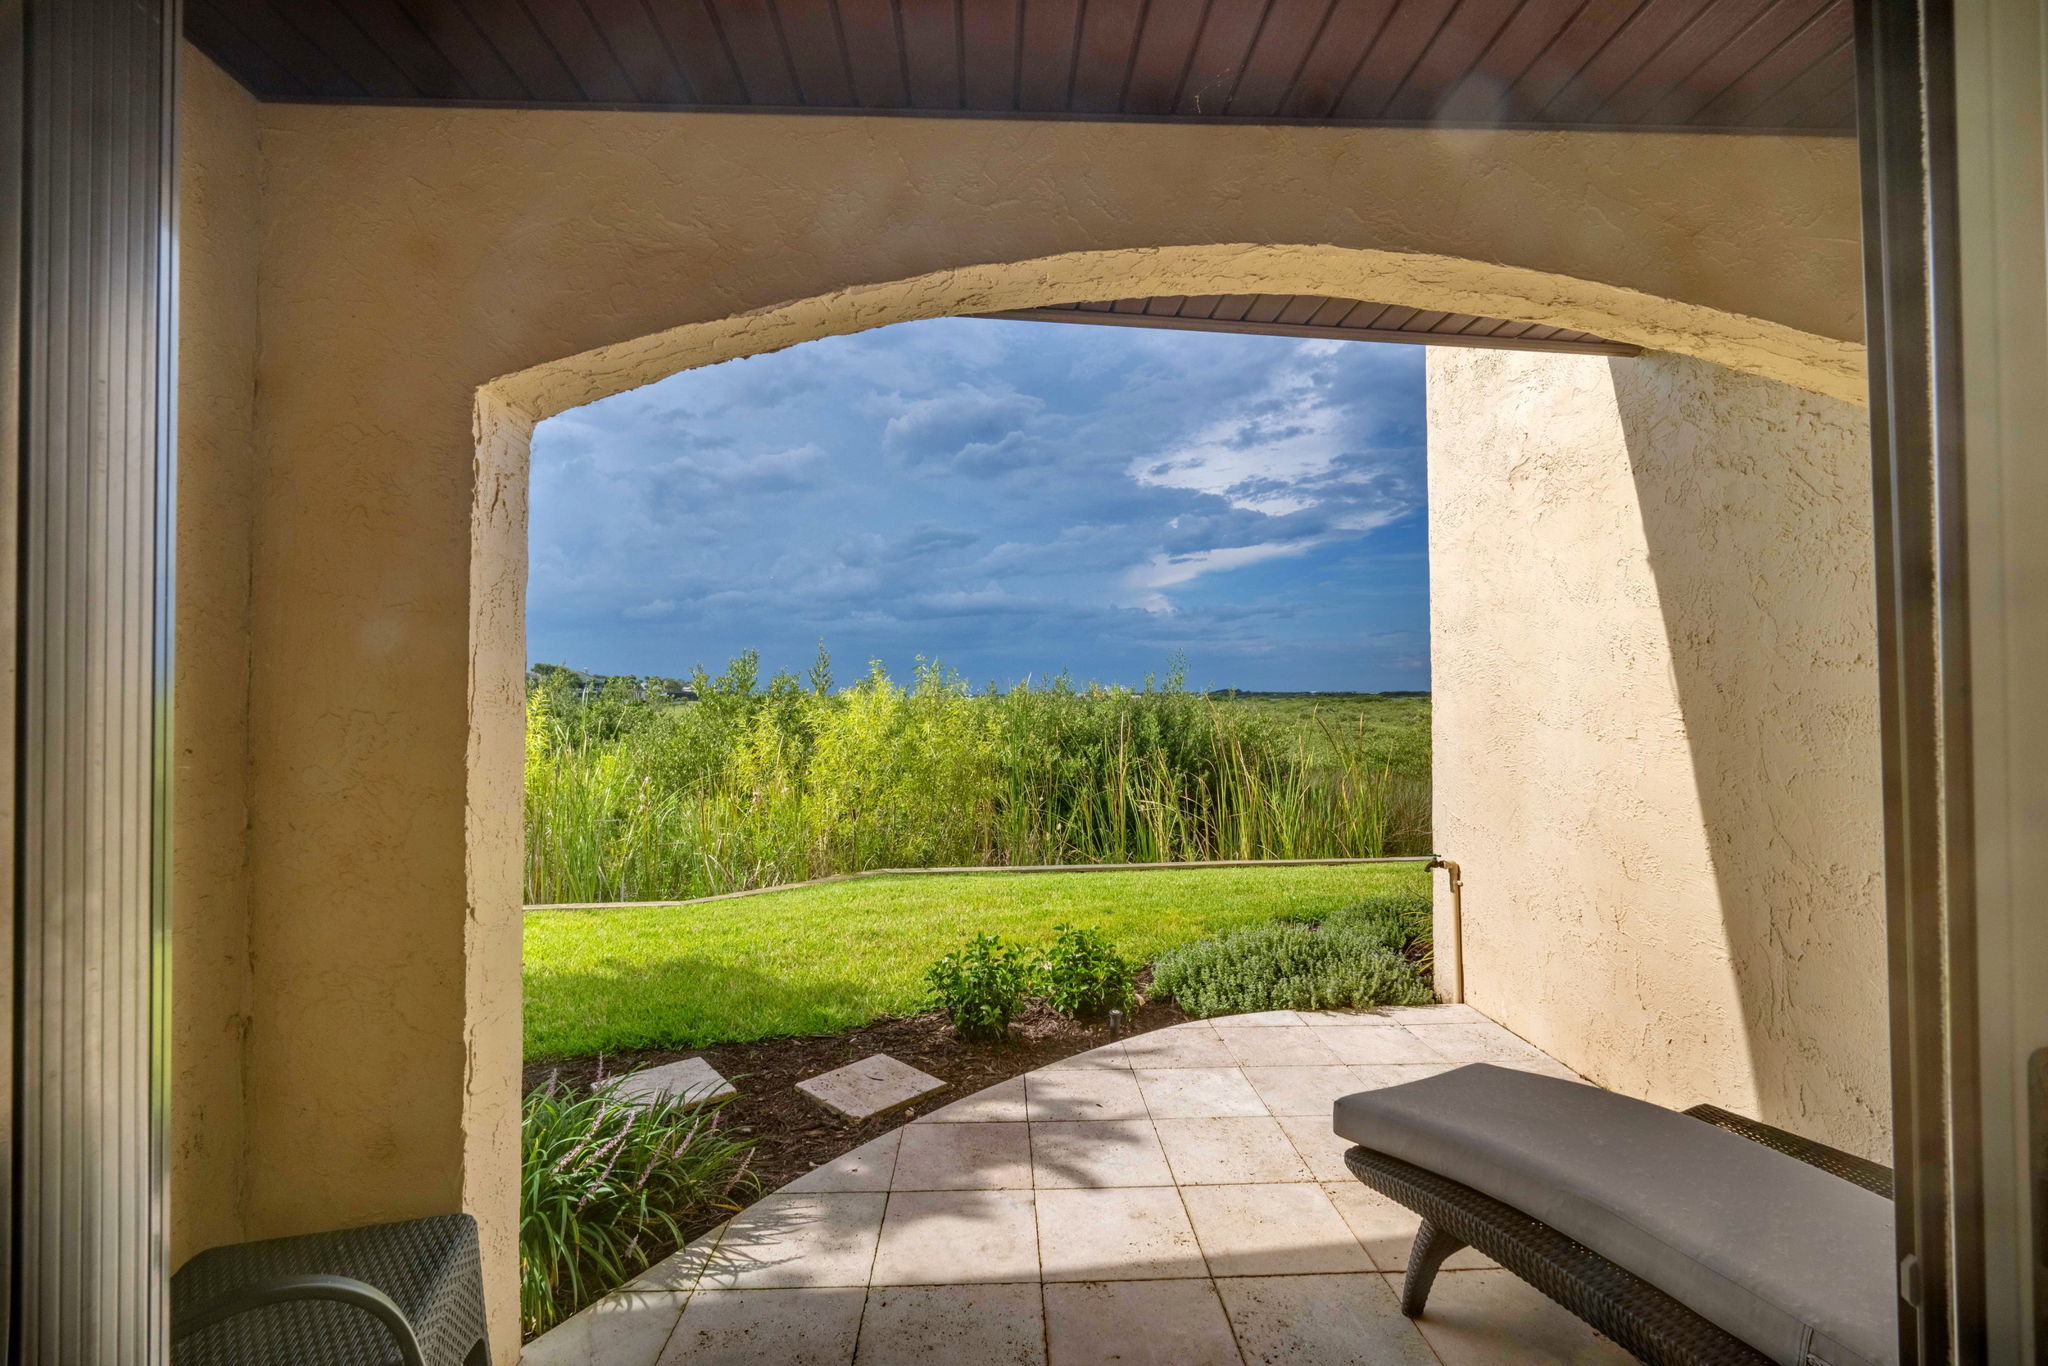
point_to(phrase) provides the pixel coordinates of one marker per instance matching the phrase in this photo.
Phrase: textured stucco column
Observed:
(432, 281)
(1656, 747)
(210, 1006)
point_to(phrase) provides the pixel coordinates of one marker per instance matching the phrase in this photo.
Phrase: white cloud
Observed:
(1145, 585)
(1277, 453)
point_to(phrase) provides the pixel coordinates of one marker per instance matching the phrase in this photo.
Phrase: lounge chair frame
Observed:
(1636, 1315)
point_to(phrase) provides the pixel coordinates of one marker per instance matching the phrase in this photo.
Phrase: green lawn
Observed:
(821, 959)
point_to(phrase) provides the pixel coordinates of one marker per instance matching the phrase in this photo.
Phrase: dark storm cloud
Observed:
(1012, 498)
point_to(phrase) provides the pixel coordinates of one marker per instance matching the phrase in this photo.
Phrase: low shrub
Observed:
(607, 1187)
(981, 986)
(1404, 916)
(1282, 966)
(1083, 975)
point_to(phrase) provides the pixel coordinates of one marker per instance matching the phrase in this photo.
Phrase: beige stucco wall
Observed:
(217, 253)
(410, 258)
(1654, 663)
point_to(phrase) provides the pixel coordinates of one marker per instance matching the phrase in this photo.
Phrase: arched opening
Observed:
(1776, 357)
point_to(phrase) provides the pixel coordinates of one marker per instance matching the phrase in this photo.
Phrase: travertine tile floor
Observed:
(1177, 1199)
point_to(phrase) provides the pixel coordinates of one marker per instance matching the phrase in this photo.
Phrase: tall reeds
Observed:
(751, 786)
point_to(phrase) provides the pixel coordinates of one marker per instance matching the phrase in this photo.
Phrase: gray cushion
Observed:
(1791, 1260)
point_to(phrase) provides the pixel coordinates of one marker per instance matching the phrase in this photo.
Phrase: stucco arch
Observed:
(1421, 280)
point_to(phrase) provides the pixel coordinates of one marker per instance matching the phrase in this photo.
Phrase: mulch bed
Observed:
(793, 1133)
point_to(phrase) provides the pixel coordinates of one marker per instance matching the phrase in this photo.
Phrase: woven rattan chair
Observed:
(409, 1293)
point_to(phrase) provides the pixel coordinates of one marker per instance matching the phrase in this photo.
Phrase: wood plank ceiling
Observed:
(1722, 65)
(1698, 65)
(1311, 315)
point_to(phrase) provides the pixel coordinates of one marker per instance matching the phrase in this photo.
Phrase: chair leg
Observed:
(1432, 1248)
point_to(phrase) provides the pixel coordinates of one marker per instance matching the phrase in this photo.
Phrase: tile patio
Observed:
(1177, 1198)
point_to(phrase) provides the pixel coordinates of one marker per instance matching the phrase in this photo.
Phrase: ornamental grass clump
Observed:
(981, 986)
(1283, 966)
(609, 1186)
(1084, 977)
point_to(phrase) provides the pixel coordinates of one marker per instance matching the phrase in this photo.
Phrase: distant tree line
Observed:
(563, 681)
(743, 676)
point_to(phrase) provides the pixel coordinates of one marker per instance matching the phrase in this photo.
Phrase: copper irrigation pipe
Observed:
(1456, 993)
(1429, 859)
(1457, 935)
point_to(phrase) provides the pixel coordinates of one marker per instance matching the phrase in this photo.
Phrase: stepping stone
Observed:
(861, 1090)
(692, 1079)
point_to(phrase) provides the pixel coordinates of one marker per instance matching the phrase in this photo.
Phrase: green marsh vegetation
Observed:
(634, 796)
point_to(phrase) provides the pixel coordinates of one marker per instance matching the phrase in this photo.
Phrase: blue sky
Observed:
(1010, 498)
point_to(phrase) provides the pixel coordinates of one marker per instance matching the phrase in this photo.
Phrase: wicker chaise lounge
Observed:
(1686, 1238)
